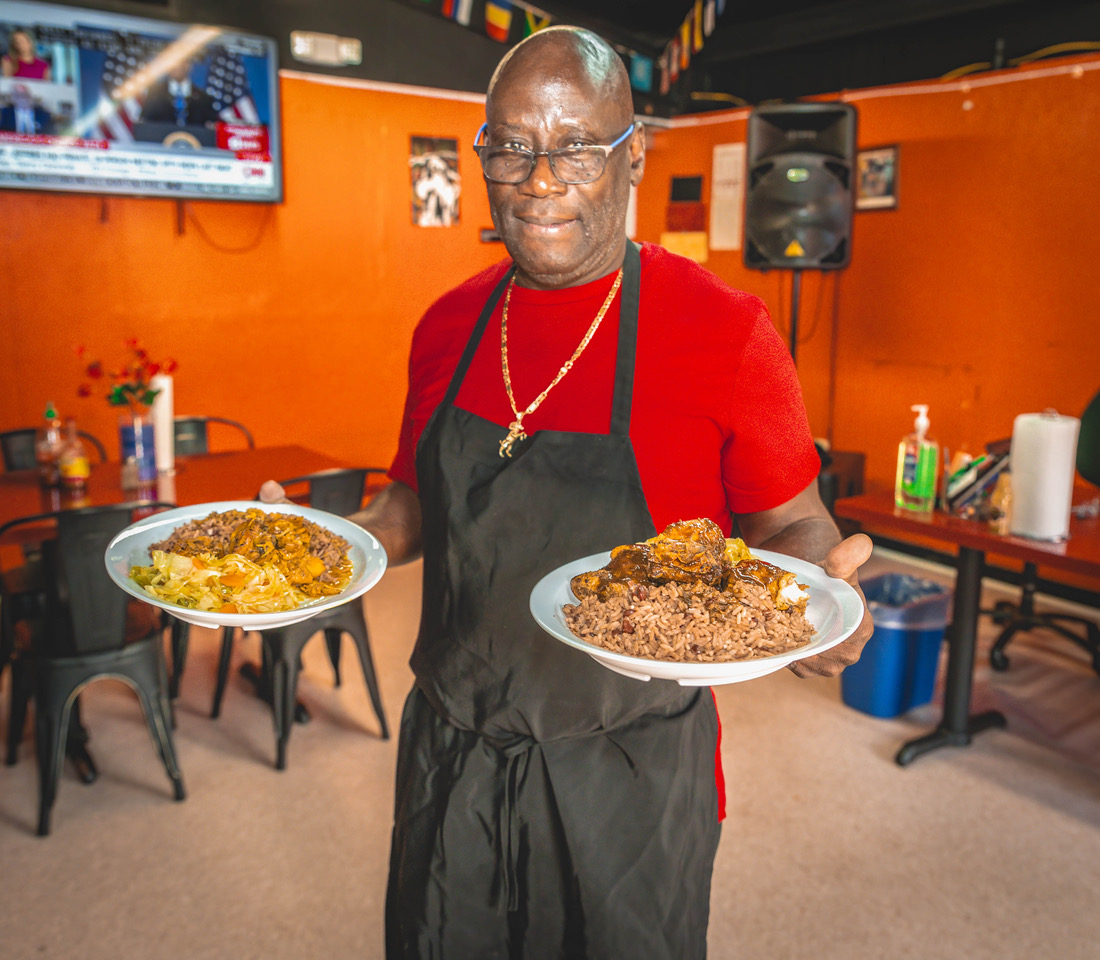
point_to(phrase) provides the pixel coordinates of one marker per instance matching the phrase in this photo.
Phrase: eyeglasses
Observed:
(568, 164)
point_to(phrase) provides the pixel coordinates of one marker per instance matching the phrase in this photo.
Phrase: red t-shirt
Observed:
(718, 424)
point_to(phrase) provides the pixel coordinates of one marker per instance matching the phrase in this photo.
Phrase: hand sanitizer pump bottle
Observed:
(918, 466)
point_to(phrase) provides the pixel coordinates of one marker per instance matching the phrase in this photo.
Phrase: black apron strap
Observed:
(629, 294)
(475, 337)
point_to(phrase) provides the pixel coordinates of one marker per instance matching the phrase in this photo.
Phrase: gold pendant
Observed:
(515, 432)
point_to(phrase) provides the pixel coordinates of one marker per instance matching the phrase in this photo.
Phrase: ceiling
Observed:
(756, 54)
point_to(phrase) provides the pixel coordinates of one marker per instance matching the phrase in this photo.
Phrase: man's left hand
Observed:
(842, 562)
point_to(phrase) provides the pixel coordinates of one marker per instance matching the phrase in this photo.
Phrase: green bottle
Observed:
(918, 466)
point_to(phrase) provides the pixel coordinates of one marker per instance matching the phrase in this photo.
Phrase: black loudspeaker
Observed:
(798, 202)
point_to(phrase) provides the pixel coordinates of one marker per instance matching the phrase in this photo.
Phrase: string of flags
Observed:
(509, 21)
(699, 24)
(506, 21)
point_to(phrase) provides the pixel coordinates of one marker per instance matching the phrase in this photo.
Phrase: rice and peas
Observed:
(246, 561)
(733, 606)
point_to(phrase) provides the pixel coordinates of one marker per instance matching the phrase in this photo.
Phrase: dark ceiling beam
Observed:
(847, 18)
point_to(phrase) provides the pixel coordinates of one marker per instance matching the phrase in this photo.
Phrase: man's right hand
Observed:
(271, 492)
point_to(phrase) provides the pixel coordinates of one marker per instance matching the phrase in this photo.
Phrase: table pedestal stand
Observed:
(957, 726)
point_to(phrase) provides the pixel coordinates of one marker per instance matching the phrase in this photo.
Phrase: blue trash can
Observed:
(897, 670)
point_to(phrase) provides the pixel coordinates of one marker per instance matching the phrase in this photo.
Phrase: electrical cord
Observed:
(221, 248)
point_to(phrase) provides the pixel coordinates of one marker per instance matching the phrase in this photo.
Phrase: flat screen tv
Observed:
(97, 102)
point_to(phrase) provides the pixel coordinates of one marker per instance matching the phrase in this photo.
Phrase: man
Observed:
(173, 98)
(23, 115)
(545, 806)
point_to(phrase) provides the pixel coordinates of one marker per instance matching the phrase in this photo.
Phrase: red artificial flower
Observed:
(130, 384)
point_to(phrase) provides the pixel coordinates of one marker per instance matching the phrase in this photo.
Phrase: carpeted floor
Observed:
(830, 851)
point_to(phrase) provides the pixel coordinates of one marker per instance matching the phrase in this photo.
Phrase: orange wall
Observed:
(974, 296)
(294, 319)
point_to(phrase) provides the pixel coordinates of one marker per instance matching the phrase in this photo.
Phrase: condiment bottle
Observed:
(73, 464)
(47, 447)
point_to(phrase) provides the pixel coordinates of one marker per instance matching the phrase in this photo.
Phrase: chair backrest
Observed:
(85, 611)
(337, 491)
(17, 447)
(192, 434)
(1088, 442)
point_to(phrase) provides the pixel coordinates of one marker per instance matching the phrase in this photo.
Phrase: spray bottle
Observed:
(918, 466)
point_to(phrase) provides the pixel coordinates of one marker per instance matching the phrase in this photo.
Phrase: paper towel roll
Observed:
(1042, 458)
(163, 433)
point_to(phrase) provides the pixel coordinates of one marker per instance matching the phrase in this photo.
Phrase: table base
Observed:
(945, 737)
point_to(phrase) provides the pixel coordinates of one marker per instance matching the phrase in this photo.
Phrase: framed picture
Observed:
(877, 179)
(436, 184)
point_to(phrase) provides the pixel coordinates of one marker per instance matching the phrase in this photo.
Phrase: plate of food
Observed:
(692, 606)
(243, 563)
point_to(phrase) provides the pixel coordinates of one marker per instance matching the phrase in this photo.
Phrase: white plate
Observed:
(834, 608)
(131, 548)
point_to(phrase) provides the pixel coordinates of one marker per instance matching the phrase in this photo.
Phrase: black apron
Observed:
(546, 807)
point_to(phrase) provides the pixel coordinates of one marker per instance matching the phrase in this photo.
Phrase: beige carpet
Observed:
(830, 852)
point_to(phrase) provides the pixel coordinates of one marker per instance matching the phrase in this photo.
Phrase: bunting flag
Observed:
(710, 17)
(498, 19)
(641, 73)
(459, 10)
(533, 22)
(701, 22)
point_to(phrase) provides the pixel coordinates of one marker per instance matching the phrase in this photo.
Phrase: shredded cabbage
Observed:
(229, 584)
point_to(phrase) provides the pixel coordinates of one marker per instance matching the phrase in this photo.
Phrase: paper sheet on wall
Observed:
(690, 244)
(632, 214)
(727, 196)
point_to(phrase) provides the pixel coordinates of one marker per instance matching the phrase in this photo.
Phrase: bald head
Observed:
(558, 54)
(563, 91)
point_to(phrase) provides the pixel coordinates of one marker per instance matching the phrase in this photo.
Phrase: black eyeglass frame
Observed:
(533, 156)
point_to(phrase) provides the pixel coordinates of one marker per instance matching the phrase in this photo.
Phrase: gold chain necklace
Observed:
(515, 429)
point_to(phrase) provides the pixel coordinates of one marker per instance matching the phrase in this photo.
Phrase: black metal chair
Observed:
(23, 587)
(81, 637)
(339, 492)
(1020, 617)
(192, 434)
(17, 447)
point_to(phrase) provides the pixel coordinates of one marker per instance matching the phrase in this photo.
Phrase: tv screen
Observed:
(96, 102)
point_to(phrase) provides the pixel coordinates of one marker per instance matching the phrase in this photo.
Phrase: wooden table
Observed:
(1080, 554)
(235, 475)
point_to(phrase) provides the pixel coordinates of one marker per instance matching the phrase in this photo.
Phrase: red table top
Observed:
(1079, 554)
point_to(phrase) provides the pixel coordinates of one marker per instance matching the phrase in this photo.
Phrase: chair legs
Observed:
(181, 638)
(284, 686)
(332, 641)
(224, 656)
(141, 665)
(1020, 622)
(22, 683)
(282, 653)
(362, 644)
(1014, 618)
